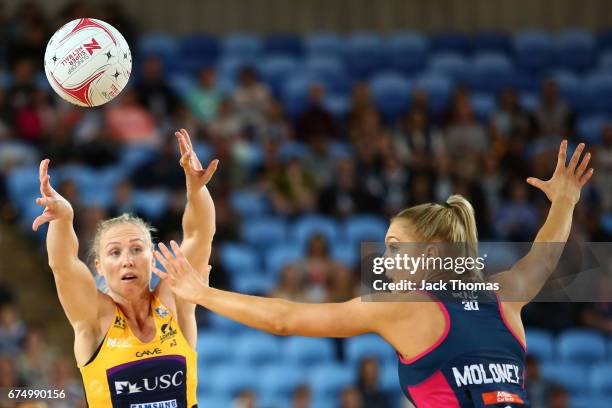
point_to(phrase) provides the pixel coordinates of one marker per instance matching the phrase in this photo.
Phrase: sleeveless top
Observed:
(477, 362)
(126, 373)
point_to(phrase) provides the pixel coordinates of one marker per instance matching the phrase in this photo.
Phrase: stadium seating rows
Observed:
(233, 357)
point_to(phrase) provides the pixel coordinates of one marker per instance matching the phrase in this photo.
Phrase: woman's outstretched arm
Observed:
(75, 284)
(525, 280)
(276, 316)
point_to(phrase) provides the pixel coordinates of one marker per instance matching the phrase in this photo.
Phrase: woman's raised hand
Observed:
(56, 206)
(182, 278)
(195, 174)
(567, 180)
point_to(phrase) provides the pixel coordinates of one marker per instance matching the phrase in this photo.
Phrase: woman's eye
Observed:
(137, 249)
(114, 253)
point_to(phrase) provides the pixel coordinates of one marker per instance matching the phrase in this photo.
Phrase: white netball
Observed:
(88, 62)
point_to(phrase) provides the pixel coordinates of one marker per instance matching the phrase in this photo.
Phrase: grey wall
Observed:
(218, 16)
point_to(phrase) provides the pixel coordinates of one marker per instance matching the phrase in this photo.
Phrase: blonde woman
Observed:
(134, 347)
(449, 355)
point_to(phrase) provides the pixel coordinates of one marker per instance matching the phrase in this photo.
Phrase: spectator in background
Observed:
(395, 180)
(251, 98)
(558, 397)
(27, 122)
(161, 170)
(603, 176)
(598, 314)
(553, 118)
(361, 102)
(8, 375)
(12, 328)
(368, 384)
(35, 362)
(347, 195)
(341, 285)
(415, 142)
(301, 397)
(245, 399)
(153, 92)
(113, 14)
(509, 118)
(320, 161)
(516, 219)
(315, 119)
(6, 117)
(227, 125)
(124, 200)
(291, 285)
(293, 189)
(275, 126)
(130, 122)
(351, 398)
(172, 217)
(538, 388)
(204, 100)
(63, 378)
(464, 136)
(317, 268)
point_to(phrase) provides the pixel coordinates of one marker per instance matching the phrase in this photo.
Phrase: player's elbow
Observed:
(282, 321)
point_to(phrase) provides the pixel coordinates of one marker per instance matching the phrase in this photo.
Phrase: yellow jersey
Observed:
(126, 373)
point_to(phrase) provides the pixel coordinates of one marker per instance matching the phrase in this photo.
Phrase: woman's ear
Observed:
(98, 270)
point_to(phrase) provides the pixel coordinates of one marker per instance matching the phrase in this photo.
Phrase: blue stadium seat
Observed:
(490, 72)
(135, 155)
(238, 258)
(307, 351)
(605, 61)
(533, 50)
(329, 70)
(338, 104)
(200, 49)
(540, 344)
(439, 89)
(600, 379)
(407, 51)
(257, 349)
(241, 45)
(368, 345)
(365, 228)
(571, 376)
(483, 105)
(214, 347)
(279, 256)
(490, 41)
(604, 39)
(329, 379)
(306, 226)
(569, 85)
(365, 54)
(453, 65)
(220, 323)
(391, 93)
(451, 41)
(598, 90)
(575, 49)
(229, 379)
(207, 399)
(228, 67)
(283, 43)
(23, 184)
(256, 283)
(345, 253)
(292, 149)
(324, 44)
(294, 91)
(281, 379)
(151, 203)
(263, 231)
(156, 44)
(598, 401)
(274, 69)
(590, 127)
(581, 346)
(529, 101)
(248, 203)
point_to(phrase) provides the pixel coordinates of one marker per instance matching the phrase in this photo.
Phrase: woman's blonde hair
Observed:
(452, 222)
(105, 225)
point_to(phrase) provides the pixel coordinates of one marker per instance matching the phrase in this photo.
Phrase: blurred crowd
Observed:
(312, 162)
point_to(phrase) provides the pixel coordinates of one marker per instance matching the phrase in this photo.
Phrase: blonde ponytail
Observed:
(452, 222)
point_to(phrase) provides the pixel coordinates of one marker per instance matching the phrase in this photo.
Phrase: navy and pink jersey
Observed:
(477, 362)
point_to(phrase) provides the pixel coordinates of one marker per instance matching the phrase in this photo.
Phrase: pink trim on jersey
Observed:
(503, 316)
(439, 341)
(434, 392)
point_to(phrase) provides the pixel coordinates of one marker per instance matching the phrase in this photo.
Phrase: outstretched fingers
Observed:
(562, 155)
(582, 167)
(571, 167)
(41, 219)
